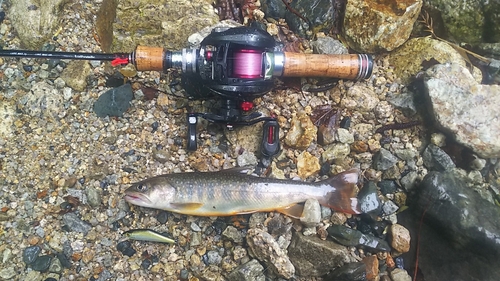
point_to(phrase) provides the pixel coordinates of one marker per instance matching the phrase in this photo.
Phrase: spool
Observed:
(247, 63)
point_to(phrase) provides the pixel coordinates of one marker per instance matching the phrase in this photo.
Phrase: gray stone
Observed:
(42, 101)
(344, 136)
(328, 45)
(351, 237)
(384, 160)
(8, 273)
(214, 257)
(114, 102)
(312, 256)
(93, 196)
(458, 212)
(74, 223)
(464, 108)
(311, 216)
(404, 101)
(435, 158)
(409, 180)
(389, 207)
(264, 248)
(399, 274)
(233, 234)
(75, 75)
(247, 158)
(249, 271)
(360, 98)
(368, 199)
(355, 271)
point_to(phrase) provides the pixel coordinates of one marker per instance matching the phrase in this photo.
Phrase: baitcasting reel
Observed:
(234, 66)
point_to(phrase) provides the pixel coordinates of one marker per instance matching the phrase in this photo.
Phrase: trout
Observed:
(231, 192)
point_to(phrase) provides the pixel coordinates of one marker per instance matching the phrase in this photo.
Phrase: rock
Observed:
(36, 25)
(302, 132)
(400, 238)
(344, 136)
(161, 155)
(74, 223)
(458, 212)
(360, 98)
(158, 23)
(42, 263)
(435, 158)
(213, 257)
(43, 101)
(388, 186)
(264, 248)
(30, 254)
(247, 158)
(384, 160)
(307, 165)
(399, 274)
(368, 199)
(465, 108)
(389, 208)
(75, 74)
(409, 180)
(408, 60)
(372, 264)
(312, 256)
(8, 273)
(233, 234)
(114, 102)
(404, 101)
(371, 27)
(471, 21)
(247, 137)
(355, 271)
(351, 237)
(336, 153)
(125, 247)
(311, 216)
(328, 45)
(249, 271)
(55, 266)
(319, 12)
(93, 196)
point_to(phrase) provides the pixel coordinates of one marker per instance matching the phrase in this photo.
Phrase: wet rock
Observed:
(389, 208)
(75, 75)
(336, 153)
(471, 21)
(409, 180)
(311, 215)
(368, 199)
(355, 271)
(404, 101)
(263, 247)
(460, 213)
(436, 159)
(465, 108)
(156, 23)
(399, 274)
(307, 165)
(388, 186)
(312, 256)
(302, 132)
(249, 271)
(319, 12)
(42, 263)
(351, 237)
(370, 27)
(114, 102)
(233, 234)
(247, 158)
(42, 101)
(30, 254)
(400, 238)
(34, 26)
(384, 160)
(74, 223)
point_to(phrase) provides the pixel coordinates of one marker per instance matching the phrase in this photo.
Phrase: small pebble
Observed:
(125, 247)
(30, 254)
(42, 263)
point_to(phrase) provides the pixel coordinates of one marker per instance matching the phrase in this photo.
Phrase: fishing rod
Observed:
(235, 65)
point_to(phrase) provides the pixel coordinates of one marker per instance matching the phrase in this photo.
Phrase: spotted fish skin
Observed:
(230, 192)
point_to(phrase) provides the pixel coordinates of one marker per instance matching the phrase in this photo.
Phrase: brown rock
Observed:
(371, 263)
(302, 133)
(373, 26)
(400, 238)
(307, 165)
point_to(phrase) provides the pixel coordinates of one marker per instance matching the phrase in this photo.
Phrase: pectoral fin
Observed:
(186, 207)
(295, 211)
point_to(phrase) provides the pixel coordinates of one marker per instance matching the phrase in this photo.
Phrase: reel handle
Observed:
(346, 66)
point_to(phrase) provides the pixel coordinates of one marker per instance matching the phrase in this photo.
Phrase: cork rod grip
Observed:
(346, 66)
(149, 58)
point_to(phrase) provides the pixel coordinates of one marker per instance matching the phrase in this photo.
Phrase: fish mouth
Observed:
(135, 198)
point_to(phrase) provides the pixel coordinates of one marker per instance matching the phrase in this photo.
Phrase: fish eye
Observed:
(142, 187)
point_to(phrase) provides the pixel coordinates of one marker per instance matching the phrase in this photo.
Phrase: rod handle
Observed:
(149, 58)
(345, 66)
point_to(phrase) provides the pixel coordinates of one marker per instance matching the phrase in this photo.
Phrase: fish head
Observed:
(151, 193)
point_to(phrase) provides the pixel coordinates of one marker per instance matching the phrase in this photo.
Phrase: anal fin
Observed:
(295, 211)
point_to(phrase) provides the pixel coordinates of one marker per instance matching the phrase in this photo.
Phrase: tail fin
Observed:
(342, 198)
